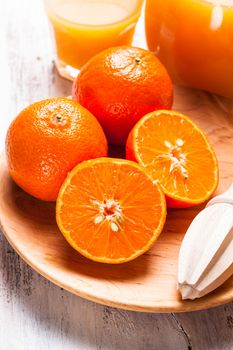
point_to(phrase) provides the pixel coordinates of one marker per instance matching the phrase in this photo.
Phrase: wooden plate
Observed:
(147, 283)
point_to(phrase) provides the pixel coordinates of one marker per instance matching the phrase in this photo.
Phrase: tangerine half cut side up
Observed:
(110, 210)
(175, 152)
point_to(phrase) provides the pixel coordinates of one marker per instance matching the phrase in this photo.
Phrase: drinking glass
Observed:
(82, 28)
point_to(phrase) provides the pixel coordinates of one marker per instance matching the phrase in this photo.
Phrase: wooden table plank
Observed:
(35, 314)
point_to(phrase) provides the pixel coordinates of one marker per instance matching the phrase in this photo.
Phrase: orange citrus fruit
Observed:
(119, 86)
(110, 210)
(176, 153)
(46, 140)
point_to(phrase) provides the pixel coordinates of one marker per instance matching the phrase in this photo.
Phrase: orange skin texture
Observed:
(46, 140)
(119, 86)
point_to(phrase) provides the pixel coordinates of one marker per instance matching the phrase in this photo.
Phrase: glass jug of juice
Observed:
(194, 40)
(82, 28)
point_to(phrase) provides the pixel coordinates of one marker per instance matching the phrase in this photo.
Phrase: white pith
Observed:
(110, 211)
(177, 157)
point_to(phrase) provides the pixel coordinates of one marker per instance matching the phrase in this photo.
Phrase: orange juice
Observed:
(83, 28)
(194, 40)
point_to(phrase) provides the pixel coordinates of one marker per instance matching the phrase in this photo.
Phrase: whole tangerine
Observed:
(46, 140)
(119, 86)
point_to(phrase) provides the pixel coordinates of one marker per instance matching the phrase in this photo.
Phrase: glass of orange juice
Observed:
(194, 40)
(82, 28)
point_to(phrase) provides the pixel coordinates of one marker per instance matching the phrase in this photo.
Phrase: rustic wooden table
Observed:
(34, 313)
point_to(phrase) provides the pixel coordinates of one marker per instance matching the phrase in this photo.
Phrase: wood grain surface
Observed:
(148, 283)
(35, 314)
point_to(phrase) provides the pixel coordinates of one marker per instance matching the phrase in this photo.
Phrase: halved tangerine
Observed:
(175, 152)
(110, 210)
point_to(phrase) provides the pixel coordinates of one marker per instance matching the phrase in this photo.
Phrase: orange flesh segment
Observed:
(103, 187)
(177, 153)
